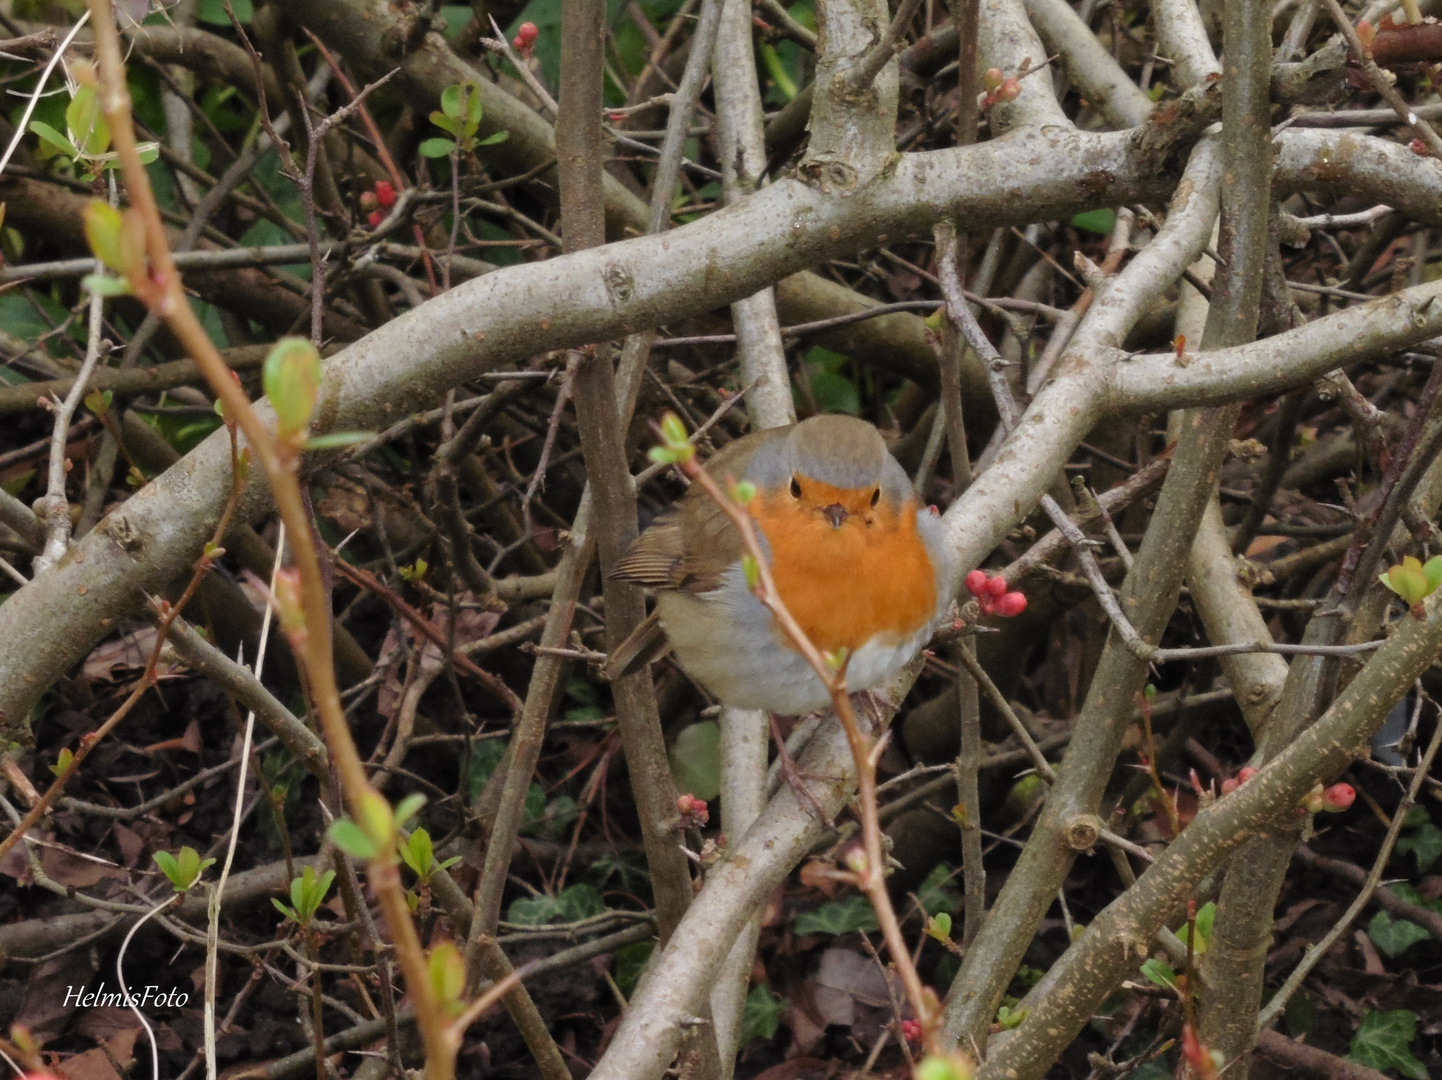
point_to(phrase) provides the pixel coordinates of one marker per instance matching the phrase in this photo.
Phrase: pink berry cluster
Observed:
(1231, 783)
(525, 40)
(377, 202)
(1320, 800)
(694, 812)
(993, 596)
(911, 1030)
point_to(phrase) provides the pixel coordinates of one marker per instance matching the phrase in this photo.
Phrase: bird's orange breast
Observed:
(845, 585)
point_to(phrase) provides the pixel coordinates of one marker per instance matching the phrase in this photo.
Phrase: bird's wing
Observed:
(652, 558)
(690, 547)
(643, 645)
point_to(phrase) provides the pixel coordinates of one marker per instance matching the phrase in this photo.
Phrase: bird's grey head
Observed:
(838, 450)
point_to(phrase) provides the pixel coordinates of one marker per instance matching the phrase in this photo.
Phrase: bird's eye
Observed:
(795, 488)
(875, 496)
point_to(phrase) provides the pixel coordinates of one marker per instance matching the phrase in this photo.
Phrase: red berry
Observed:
(1011, 604)
(375, 217)
(1338, 797)
(1230, 785)
(976, 582)
(1245, 773)
(911, 1030)
(385, 193)
(996, 587)
(525, 40)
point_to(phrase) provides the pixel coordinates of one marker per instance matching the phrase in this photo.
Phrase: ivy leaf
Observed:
(1394, 937)
(761, 1015)
(1425, 844)
(838, 917)
(1383, 1041)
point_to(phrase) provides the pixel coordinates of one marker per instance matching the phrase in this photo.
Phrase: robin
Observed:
(859, 564)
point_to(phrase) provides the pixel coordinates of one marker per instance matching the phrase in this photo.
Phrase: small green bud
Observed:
(292, 382)
(673, 431)
(374, 816)
(448, 976)
(103, 225)
(752, 570)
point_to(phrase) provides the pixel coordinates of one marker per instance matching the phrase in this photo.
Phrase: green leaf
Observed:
(630, 963)
(575, 902)
(838, 917)
(1160, 973)
(436, 148)
(338, 439)
(213, 11)
(168, 865)
(1432, 570)
(87, 126)
(1009, 1019)
(1206, 916)
(1407, 579)
(1383, 1041)
(581, 901)
(494, 137)
(1096, 221)
(939, 926)
(408, 808)
(1394, 937)
(104, 232)
(533, 910)
(1425, 843)
(761, 1015)
(49, 135)
(351, 839)
(939, 892)
(696, 760)
(105, 285)
(418, 853)
(285, 912)
(451, 101)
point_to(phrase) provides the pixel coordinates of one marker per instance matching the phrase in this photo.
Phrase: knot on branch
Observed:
(830, 176)
(1083, 831)
(1168, 135)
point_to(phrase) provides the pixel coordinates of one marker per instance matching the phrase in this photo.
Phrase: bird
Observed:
(857, 560)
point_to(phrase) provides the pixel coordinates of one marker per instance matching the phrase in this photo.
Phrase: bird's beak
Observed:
(836, 514)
